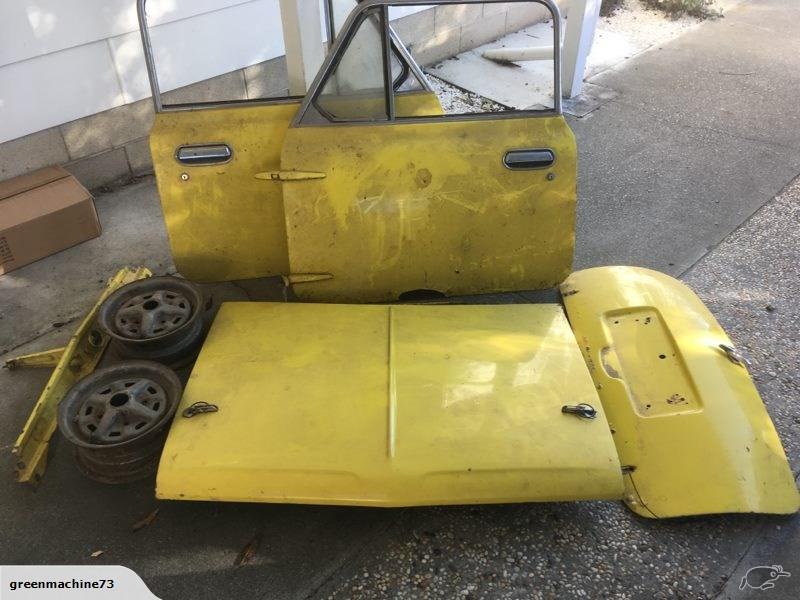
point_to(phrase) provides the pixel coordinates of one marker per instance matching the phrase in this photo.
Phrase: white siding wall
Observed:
(61, 60)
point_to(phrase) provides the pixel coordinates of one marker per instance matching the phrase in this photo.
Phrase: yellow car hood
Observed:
(390, 406)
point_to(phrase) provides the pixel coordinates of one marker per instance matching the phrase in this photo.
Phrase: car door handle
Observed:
(204, 154)
(529, 158)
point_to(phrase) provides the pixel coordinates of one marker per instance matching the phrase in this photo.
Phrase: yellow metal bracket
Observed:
(289, 175)
(76, 360)
(47, 359)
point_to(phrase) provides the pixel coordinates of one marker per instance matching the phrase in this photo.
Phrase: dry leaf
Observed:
(247, 553)
(97, 553)
(148, 520)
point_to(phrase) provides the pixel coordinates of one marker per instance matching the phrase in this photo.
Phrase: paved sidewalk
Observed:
(704, 133)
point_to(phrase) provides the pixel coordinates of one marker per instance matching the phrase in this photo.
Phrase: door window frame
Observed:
(399, 51)
(350, 28)
(310, 116)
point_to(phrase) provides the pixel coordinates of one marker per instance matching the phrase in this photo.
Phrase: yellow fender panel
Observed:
(389, 406)
(692, 433)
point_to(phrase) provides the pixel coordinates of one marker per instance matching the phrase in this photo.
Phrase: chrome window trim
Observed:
(147, 47)
(388, 83)
(405, 55)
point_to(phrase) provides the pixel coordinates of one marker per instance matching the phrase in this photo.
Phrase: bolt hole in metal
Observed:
(95, 338)
(118, 400)
(150, 315)
(662, 356)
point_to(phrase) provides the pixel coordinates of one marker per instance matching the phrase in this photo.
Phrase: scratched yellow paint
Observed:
(687, 421)
(382, 405)
(412, 205)
(222, 222)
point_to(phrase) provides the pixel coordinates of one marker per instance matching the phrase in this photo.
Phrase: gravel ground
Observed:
(454, 100)
(600, 550)
(643, 25)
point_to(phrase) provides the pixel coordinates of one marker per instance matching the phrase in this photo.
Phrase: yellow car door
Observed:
(384, 195)
(223, 223)
(214, 162)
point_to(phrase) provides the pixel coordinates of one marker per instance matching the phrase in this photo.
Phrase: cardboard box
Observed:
(42, 213)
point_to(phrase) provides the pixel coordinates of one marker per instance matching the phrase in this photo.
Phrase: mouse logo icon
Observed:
(763, 577)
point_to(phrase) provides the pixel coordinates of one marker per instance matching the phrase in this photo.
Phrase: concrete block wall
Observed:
(112, 146)
(433, 35)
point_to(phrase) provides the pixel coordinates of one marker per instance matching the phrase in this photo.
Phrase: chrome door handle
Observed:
(529, 158)
(204, 154)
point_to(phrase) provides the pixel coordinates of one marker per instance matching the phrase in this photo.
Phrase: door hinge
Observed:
(289, 175)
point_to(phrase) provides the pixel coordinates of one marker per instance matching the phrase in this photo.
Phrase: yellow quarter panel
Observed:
(429, 205)
(389, 406)
(224, 224)
(690, 428)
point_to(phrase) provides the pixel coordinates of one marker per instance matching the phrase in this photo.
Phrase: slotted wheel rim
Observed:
(153, 314)
(121, 410)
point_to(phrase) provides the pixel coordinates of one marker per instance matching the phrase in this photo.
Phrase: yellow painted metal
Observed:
(389, 406)
(222, 222)
(78, 359)
(429, 205)
(690, 428)
(417, 104)
(47, 359)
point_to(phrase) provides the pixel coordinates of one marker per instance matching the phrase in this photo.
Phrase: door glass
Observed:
(403, 77)
(355, 89)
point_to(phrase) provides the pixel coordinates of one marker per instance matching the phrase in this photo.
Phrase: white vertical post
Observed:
(302, 37)
(582, 19)
(342, 10)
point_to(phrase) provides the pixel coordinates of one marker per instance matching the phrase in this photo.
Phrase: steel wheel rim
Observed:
(121, 410)
(153, 314)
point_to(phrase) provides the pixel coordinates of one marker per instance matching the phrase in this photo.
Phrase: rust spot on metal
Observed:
(676, 399)
(607, 367)
(423, 178)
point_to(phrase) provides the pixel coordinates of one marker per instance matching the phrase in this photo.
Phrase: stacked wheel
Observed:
(117, 419)
(159, 319)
